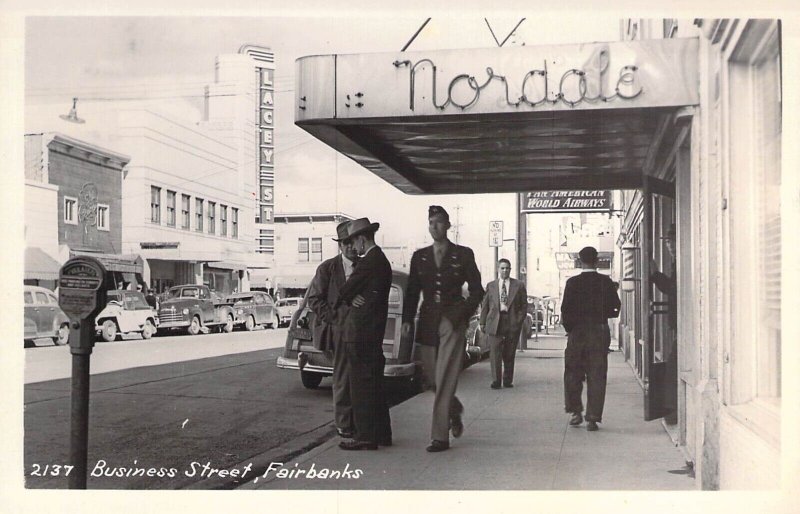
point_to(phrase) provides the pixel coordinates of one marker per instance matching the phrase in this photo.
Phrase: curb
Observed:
(260, 463)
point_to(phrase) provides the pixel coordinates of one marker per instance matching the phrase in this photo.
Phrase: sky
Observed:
(104, 60)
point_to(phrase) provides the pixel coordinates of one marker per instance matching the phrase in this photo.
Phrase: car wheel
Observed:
(194, 327)
(310, 380)
(250, 323)
(149, 329)
(228, 326)
(109, 330)
(62, 336)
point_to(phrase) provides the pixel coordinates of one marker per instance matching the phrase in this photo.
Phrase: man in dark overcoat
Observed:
(322, 296)
(438, 272)
(590, 298)
(363, 307)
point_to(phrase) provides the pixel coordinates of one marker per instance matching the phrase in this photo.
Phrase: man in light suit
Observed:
(322, 296)
(503, 312)
(363, 308)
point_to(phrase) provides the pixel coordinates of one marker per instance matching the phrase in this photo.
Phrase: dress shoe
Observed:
(358, 445)
(508, 384)
(576, 419)
(438, 446)
(495, 385)
(456, 426)
(591, 426)
(345, 434)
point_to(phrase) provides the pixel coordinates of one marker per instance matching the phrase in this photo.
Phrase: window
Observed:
(171, 196)
(302, 249)
(234, 222)
(155, 204)
(223, 220)
(212, 212)
(41, 298)
(198, 214)
(754, 152)
(316, 249)
(102, 217)
(185, 218)
(309, 249)
(70, 210)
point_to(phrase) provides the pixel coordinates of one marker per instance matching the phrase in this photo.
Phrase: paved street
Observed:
(187, 416)
(48, 362)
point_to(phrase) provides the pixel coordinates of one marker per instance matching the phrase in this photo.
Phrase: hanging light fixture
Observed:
(72, 117)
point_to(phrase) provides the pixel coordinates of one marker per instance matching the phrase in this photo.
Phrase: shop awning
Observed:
(122, 263)
(293, 281)
(39, 265)
(227, 265)
(501, 119)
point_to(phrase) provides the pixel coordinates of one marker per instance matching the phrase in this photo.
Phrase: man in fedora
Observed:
(438, 272)
(589, 300)
(322, 295)
(363, 307)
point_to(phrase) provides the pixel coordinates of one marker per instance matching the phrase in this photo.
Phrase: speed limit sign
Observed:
(495, 233)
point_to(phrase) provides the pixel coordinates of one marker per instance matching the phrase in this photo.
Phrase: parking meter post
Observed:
(82, 286)
(79, 414)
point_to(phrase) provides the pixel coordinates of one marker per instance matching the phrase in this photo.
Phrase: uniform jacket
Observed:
(441, 290)
(322, 295)
(589, 298)
(372, 279)
(517, 307)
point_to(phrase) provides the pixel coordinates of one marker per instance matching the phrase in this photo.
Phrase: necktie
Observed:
(503, 294)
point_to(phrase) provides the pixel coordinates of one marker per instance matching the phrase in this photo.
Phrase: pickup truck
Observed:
(194, 308)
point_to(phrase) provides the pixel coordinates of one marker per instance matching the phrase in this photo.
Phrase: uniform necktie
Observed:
(503, 294)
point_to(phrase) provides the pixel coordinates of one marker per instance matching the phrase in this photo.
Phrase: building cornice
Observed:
(81, 149)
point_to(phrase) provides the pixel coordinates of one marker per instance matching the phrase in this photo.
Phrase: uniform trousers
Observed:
(502, 350)
(370, 410)
(446, 361)
(586, 357)
(342, 407)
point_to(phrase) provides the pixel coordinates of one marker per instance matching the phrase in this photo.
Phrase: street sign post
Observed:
(81, 295)
(495, 240)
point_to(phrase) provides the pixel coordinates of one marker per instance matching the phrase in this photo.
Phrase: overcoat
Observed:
(322, 295)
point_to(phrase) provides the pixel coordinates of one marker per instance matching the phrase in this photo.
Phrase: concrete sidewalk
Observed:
(514, 439)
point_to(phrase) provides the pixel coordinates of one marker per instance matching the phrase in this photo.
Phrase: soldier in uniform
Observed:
(439, 271)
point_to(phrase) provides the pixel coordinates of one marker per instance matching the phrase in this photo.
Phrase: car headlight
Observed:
(186, 311)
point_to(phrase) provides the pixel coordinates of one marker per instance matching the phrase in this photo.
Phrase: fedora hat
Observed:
(341, 231)
(361, 226)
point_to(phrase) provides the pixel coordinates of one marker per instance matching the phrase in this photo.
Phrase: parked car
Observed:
(253, 309)
(126, 312)
(477, 344)
(286, 307)
(299, 348)
(43, 316)
(193, 308)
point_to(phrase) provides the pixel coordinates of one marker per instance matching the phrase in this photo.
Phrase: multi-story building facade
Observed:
(73, 192)
(303, 240)
(194, 199)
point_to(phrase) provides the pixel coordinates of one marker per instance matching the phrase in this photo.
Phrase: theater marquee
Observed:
(566, 201)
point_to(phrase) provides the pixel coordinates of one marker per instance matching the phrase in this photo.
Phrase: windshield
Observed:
(186, 292)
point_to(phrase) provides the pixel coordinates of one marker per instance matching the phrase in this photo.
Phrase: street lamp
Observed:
(72, 117)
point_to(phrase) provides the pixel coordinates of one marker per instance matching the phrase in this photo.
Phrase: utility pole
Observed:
(458, 222)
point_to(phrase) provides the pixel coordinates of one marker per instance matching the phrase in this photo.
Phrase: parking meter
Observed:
(81, 295)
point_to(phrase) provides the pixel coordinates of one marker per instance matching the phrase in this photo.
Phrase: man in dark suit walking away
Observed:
(322, 296)
(589, 300)
(438, 272)
(503, 312)
(363, 307)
